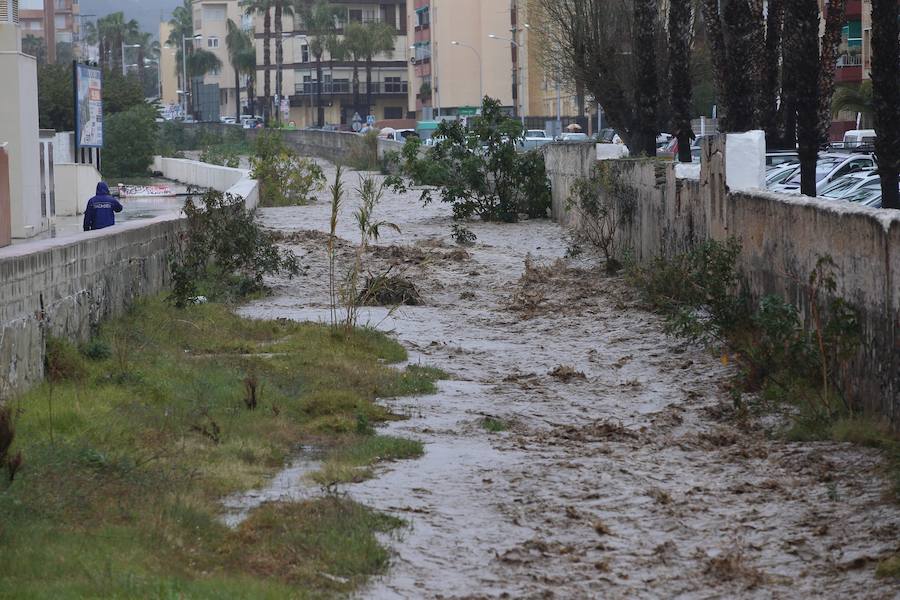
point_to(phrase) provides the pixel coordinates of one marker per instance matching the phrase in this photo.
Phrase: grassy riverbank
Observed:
(131, 444)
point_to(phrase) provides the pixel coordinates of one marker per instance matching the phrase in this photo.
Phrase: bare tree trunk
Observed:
(770, 84)
(886, 97)
(680, 75)
(831, 39)
(647, 87)
(356, 107)
(803, 15)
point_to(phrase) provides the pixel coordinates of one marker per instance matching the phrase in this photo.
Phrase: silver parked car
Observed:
(830, 167)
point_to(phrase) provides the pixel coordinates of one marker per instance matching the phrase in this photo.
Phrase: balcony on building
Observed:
(333, 89)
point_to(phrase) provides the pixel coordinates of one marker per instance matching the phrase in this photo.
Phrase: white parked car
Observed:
(848, 184)
(535, 138)
(574, 137)
(830, 167)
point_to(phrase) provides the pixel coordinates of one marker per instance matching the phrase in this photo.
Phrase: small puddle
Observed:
(289, 485)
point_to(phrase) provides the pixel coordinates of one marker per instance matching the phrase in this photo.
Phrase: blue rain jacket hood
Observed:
(101, 209)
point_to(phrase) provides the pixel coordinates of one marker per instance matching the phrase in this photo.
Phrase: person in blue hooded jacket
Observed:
(101, 209)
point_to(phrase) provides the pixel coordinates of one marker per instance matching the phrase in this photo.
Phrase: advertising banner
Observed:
(88, 107)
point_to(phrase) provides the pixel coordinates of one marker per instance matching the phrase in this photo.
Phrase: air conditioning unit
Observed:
(9, 11)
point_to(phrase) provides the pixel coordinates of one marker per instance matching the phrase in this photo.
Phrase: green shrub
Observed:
(285, 179)
(479, 168)
(63, 362)
(224, 244)
(129, 142)
(97, 349)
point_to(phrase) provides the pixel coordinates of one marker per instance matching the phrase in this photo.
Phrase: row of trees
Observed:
(771, 68)
(321, 23)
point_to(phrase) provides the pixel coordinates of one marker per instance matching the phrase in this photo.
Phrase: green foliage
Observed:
(603, 205)
(97, 349)
(480, 170)
(221, 155)
(63, 362)
(781, 355)
(55, 100)
(285, 179)
(132, 489)
(121, 93)
(225, 245)
(129, 142)
(494, 425)
(364, 156)
(352, 461)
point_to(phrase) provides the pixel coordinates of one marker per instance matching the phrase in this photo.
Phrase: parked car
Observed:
(830, 166)
(859, 137)
(867, 196)
(846, 185)
(251, 122)
(227, 120)
(780, 157)
(535, 138)
(574, 137)
(780, 173)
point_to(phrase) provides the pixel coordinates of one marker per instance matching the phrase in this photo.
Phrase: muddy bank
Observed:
(615, 472)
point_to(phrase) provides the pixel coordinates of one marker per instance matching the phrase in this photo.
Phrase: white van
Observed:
(859, 137)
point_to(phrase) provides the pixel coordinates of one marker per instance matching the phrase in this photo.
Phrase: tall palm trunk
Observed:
(369, 110)
(803, 15)
(647, 88)
(102, 54)
(320, 110)
(680, 75)
(267, 63)
(237, 96)
(279, 57)
(886, 97)
(831, 39)
(141, 64)
(769, 100)
(251, 100)
(740, 86)
(356, 106)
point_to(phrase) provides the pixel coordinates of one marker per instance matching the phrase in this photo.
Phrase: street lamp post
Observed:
(184, 72)
(516, 79)
(480, 69)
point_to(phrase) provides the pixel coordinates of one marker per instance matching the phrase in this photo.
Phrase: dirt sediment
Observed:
(620, 474)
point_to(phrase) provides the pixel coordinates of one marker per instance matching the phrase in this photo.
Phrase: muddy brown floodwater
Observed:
(619, 475)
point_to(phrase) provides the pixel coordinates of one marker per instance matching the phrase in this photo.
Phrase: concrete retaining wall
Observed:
(223, 179)
(66, 287)
(75, 183)
(782, 238)
(336, 146)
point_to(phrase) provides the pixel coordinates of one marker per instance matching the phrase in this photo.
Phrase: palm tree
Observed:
(320, 22)
(886, 96)
(262, 7)
(680, 75)
(281, 10)
(855, 99)
(243, 60)
(378, 37)
(182, 23)
(200, 62)
(354, 49)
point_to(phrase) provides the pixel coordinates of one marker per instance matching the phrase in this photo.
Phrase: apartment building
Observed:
(211, 23)
(54, 21)
(300, 83)
(456, 60)
(168, 68)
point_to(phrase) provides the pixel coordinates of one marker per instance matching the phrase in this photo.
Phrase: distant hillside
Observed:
(145, 12)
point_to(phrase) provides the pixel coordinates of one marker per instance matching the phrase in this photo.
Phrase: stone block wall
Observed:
(782, 239)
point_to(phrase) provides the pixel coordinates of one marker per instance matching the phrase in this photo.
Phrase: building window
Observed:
(212, 42)
(393, 112)
(304, 53)
(198, 19)
(214, 12)
(394, 85)
(355, 15)
(423, 51)
(61, 5)
(60, 21)
(423, 17)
